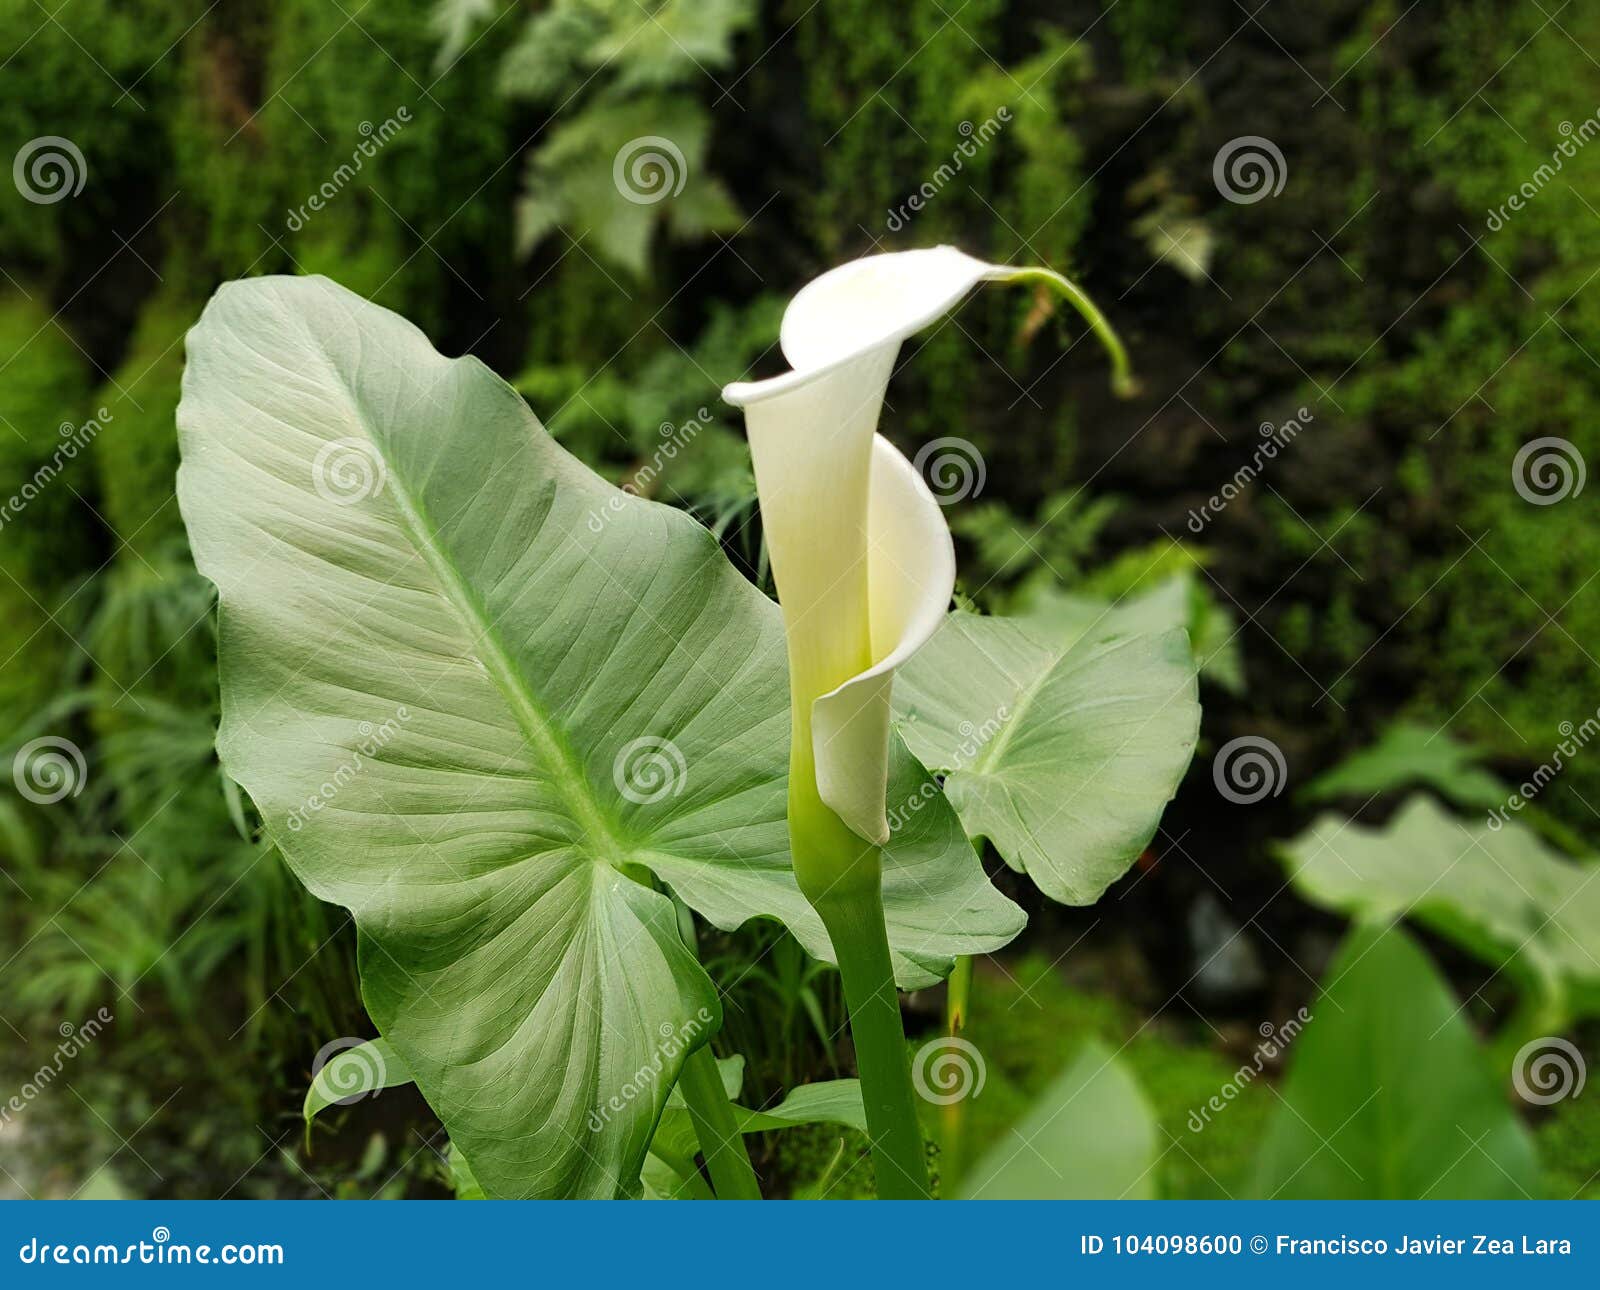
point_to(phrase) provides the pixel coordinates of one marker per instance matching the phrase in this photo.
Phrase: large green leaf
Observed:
(1062, 756)
(1091, 1136)
(1500, 893)
(1408, 755)
(475, 692)
(1178, 600)
(1389, 1096)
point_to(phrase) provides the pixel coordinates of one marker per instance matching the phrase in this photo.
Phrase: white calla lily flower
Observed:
(865, 570)
(860, 550)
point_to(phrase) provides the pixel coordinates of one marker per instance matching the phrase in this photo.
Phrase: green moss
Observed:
(1150, 33)
(43, 544)
(1485, 599)
(99, 79)
(1569, 1143)
(881, 146)
(366, 96)
(823, 1162)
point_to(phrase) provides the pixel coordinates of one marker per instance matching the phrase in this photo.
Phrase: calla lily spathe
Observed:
(860, 550)
(865, 570)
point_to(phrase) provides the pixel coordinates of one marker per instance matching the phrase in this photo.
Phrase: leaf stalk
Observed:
(721, 1142)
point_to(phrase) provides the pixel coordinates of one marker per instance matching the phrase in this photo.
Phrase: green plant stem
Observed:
(958, 994)
(861, 945)
(721, 1143)
(710, 1110)
(841, 875)
(1122, 378)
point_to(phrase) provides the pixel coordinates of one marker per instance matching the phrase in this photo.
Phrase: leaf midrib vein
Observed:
(535, 723)
(554, 750)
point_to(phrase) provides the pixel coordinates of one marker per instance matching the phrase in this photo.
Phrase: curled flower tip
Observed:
(1123, 382)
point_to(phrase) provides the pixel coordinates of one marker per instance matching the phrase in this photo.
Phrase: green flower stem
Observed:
(841, 875)
(861, 944)
(721, 1143)
(1122, 379)
(958, 994)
